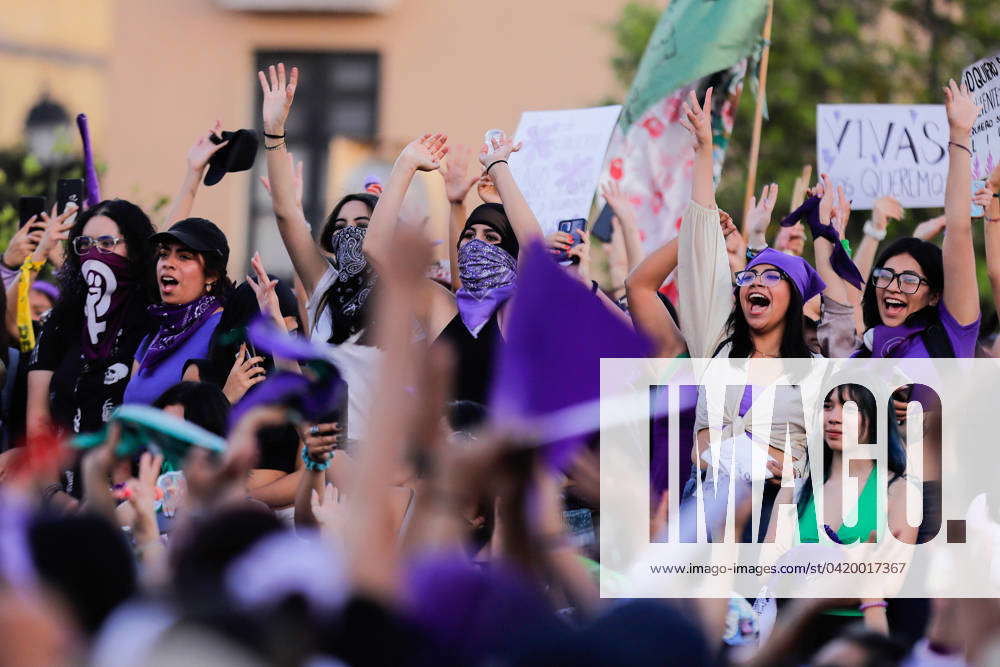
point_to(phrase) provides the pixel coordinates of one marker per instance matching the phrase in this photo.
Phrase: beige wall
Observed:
(461, 66)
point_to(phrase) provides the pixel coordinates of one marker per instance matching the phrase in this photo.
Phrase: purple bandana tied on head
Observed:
(109, 288)
(841, 262)
(177, 324)
(487, 272)
(801, 273)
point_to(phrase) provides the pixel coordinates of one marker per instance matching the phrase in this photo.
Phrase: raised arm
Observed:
(991, 207)
(886, 208)
(494, 158)
(961, 290)
(625, 212)
(198, 155)
(309, 263)
(423, 154)
(457, 183)
(704, 279)
(830, 213)
(649, 315)
(759, 217)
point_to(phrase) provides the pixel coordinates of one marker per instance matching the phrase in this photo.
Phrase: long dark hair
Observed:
(203, 402)
(793, 341)
(341, 330)
(931, 261)
(136, 229)
(330, 226)
(868, 413)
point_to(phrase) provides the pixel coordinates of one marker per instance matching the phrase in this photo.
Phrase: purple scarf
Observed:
(887, 342)
(841, 262)
(177, 324)
(109, 288)
(487, 272)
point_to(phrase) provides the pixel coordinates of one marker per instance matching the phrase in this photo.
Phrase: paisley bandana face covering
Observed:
(354, 283)
(487, 272)
(109, 287)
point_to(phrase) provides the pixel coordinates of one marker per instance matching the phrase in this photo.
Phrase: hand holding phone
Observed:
(30, 207)
(69, 191)
(571, 227)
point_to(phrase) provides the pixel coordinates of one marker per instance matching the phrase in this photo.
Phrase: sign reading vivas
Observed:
(983, 80)
(874, 150)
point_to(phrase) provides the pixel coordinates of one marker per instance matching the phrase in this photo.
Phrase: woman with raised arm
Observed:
(761, 317)
(909, 308)
(488, 248)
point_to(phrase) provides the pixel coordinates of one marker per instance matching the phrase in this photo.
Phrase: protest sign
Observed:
(560, 164)
(983, 80)
(884, 149)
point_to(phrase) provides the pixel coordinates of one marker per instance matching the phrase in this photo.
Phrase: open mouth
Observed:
(758, 303)
(893, 307)
(168, 284)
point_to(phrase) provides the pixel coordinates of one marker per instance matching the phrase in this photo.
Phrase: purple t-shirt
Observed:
(904, 342)
(146, 386)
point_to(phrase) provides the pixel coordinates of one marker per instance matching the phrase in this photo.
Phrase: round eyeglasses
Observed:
(908, 281)
(766, 278)
(105, 244)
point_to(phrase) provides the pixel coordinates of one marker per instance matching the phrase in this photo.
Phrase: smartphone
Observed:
(602, 227)
(571, 226)
(28, 207)
(977, 211)
(69, 191)
(338, 413)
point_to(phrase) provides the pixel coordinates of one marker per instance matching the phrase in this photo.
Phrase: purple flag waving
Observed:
(557, 334)
(89, 171)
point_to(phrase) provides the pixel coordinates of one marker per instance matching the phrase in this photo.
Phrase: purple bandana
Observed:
(487, 272)
(109, 288)
(842, 264)
(801, 273)
(887, 341)
(177, 324)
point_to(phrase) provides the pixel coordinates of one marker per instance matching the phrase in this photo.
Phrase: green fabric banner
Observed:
(693, 38)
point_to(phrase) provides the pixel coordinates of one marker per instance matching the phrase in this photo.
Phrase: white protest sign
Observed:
(560, 164)
(884, 149)
(983, 81)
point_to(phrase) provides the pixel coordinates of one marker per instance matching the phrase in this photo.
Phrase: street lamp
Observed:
(47, 131)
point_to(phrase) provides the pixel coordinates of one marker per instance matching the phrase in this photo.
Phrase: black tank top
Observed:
(473, 357)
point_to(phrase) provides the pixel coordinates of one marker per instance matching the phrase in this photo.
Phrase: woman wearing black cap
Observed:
(191, 276)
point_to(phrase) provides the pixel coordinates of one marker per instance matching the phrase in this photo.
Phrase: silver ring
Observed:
(314, 430)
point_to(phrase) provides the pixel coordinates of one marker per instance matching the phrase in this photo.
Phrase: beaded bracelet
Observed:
(313, 465)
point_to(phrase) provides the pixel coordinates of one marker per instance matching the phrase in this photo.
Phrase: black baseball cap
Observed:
(199, 234)
(237, 155)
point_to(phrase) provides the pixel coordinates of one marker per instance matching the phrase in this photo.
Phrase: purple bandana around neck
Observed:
(887, 342)
(177, 324)
(109, 288)
(487, 272)
(841, 262)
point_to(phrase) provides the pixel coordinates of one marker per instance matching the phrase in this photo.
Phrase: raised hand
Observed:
(697, 120)
(759, 215)
(618, 201)
(203, 148)
(23, 243)
(279, 92)
(457, 179)
(983, 198)
(558, 242)
(828, 198)
(886, 208)
(961, 108)
(320, 440)
(425, 153)
(499, 148)
(581, 251)
(246, 372)
(263, 289)
(487, 190)
(330, 510)
(841, 212)
(56, 230)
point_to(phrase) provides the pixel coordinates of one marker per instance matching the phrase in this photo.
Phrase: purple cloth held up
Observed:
(842, 264)
(557, 334)
(798, 270)
(89, 171)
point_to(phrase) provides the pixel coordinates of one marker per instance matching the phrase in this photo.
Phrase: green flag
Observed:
(693, 38)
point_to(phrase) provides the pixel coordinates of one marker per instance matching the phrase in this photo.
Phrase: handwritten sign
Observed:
(884, 149)
(983, 81)
(560, 164)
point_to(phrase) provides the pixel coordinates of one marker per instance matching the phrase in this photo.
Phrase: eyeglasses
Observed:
(908, 281)
(105, 244)
(766, 278)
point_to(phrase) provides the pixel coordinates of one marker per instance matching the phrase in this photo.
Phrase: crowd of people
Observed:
(309, 471)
